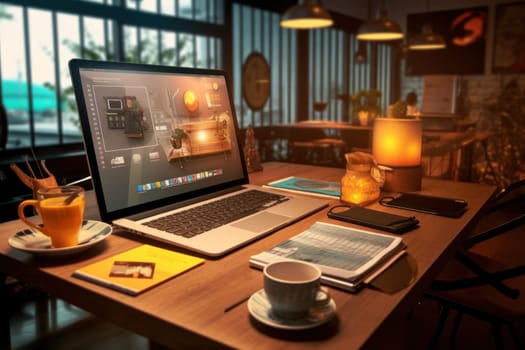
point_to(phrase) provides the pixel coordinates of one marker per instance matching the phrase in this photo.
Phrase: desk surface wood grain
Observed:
(189, 310)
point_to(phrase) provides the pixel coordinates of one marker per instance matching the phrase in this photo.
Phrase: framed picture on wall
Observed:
(509, 39)
(464, 31)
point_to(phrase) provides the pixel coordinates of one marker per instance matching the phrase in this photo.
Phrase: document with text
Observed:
(346, 256)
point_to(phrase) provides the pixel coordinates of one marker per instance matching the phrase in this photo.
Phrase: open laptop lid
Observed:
(128, 113)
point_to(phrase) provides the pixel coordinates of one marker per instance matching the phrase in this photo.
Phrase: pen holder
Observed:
(33, 182)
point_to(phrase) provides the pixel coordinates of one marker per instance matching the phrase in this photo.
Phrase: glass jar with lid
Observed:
(362, 181)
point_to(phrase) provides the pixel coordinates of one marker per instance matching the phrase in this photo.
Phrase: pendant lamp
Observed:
(306, 15)
(360, 55)
(427, 40)
(380, 29)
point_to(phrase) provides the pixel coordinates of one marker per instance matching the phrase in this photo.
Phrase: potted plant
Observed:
(398, 110)
(177, 135)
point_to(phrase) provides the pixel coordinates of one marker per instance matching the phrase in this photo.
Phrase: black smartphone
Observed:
(442, 206)
(374, 218)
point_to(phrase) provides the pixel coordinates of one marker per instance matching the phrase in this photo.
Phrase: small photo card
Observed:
(132, 269)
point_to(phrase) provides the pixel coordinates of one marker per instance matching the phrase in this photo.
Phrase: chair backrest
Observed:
(506, 213)
(512, 195)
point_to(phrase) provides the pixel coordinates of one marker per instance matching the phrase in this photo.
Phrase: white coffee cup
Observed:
(293, 288)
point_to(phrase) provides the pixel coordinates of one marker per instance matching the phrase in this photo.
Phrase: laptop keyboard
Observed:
(203, 218)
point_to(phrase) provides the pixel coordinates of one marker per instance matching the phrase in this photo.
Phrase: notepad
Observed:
(347, 257)
(136, 270)
(303, 185)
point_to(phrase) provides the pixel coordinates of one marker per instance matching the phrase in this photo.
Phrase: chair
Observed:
(485, 278)
(313, 146)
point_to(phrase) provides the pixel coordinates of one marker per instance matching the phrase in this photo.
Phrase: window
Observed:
(37, 43)
(256, 30)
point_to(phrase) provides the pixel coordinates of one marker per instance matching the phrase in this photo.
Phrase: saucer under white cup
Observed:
(293, 287)
(261, 309)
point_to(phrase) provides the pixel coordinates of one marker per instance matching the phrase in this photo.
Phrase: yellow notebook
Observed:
(138, 269)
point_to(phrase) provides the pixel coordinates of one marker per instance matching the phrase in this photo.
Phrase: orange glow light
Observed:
(201, 136)
(397, 142)
(190, 101)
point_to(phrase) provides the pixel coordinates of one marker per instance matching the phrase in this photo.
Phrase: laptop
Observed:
(160, 140)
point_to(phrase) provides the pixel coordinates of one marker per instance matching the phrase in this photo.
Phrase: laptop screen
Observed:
(155, 135)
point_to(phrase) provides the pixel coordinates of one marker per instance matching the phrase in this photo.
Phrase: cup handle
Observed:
(21, 215)
(322, 298)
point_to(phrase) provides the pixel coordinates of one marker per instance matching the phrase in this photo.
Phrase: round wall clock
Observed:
(256, 81)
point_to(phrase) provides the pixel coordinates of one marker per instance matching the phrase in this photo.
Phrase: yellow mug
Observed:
(61, 210)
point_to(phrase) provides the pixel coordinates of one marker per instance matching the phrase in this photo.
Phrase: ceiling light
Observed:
(427, 40)
(380, 29)
(360, 55)
(306, 16)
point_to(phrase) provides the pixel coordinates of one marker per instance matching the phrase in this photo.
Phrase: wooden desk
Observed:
(188, 311)
(354, 136)
(451, 151)
(325, 124)
(357, 136)
(443, 142)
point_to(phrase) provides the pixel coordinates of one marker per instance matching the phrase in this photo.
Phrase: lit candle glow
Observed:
(202, 136)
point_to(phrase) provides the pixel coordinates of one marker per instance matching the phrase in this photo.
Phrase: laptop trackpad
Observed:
(261, 222)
